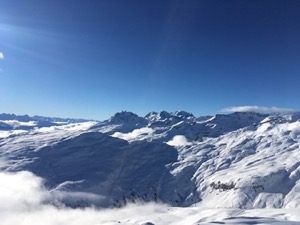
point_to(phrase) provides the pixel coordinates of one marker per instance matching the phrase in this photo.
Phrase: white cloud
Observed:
(134, 134)
(1, 55)
(260, 109)
(178, 140)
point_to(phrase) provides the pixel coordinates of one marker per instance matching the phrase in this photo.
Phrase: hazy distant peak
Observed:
(8, 116)
(242, 115)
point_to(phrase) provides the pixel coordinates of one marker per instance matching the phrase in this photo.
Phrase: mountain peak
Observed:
(164, 115)
(183, 114)
(124, 117)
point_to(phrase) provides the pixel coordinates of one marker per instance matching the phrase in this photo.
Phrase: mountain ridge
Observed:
(245, 160)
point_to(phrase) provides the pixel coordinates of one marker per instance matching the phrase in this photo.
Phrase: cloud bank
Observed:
(1, 55)
(259, 109)
(20, 190)
(24, 201)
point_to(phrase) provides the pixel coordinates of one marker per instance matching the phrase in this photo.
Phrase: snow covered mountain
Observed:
(240, 160)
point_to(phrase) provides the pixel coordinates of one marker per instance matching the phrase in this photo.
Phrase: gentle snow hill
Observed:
(240, 160)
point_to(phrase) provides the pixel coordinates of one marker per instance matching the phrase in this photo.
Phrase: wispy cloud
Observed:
(1, 55)
(134, 134)
(260, 109)
(178, 140)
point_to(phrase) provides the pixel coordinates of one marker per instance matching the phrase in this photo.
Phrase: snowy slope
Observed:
(259, 165)
(107, 166)
(240, 160)
(18, 146)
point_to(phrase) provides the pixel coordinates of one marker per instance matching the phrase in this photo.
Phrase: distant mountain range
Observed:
(26, 118)
(241, 160)
(12, 121)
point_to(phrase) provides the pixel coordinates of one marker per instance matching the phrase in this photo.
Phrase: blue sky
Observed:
(90, 59)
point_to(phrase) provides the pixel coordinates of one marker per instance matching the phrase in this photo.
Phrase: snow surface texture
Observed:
(248, 163)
